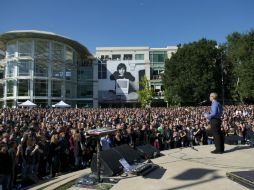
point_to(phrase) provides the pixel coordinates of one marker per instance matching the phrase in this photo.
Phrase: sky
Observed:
(153, 23)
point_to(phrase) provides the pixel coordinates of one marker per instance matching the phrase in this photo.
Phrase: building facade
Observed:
(45, 68)
(153, 60)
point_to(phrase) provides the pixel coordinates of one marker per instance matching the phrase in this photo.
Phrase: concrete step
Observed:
(60, 180)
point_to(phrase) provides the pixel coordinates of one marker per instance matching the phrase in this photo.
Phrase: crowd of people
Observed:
(40, 143)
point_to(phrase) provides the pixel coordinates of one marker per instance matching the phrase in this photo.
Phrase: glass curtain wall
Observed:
(41, 60)
(57, 60)
(58, 70)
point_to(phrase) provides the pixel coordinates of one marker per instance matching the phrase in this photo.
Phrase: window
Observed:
(156, 74)
(70, 71)
(25, 47)
(24, 68)
(68, 54)
(40, 68)
(41, 102)
(56, 88)
(57, 69)
(85, 104)
(68, 74)
(85, 90)
(139, 57)
(127, 57)
(10, 85)
(105, 57)
(102, 71)
(23, 87)
(1, 90)
(1, 72)
(57, 51)
(70, 89)
(10, 69)
(116, 57)
(42, 49)
(85, 73)
(40, 87)
(9, 103)
(158, 57)
(11, 49)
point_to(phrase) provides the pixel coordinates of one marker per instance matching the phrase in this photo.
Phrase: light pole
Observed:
(222, 77)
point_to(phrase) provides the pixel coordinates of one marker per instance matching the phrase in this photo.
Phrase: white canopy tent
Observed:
(61, 104)
(27, 103)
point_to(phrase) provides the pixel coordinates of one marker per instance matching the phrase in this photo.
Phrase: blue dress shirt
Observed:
(215, 112)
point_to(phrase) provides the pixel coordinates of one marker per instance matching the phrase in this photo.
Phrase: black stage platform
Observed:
(245, 178)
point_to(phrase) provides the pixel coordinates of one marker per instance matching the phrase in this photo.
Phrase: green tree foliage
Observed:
(145, 93)
(240, 49)
(194, 71)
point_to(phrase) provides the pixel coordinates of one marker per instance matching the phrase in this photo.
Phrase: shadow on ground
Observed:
(156, 174)
(193, 174)
(241, 147)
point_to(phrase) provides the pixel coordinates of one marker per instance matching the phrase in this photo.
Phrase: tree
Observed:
(193, 72)
(240, 49)
(145, 93)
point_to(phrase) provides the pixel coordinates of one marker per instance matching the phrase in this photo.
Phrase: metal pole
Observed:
(98, 160)
(222, 78)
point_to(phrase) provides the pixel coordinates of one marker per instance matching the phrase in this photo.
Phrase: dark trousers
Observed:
(217, 135)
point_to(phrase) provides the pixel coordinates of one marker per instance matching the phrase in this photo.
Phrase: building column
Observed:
(49, 73)
(63, 85)
(31, 93)
(15, 76)
(5, 92)
(95, 84)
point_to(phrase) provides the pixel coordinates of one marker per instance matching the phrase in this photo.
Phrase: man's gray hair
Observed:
(214, 95)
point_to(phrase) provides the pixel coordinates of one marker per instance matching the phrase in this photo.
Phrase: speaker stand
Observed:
(98, 160)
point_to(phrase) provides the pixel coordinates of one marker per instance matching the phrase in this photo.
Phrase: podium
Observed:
(98, 133)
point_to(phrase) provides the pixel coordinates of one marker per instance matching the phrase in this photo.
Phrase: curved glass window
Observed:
(10, 86)
(69, 54)
(70, 89)
(70, 71)
(1, 72)
(11, 49)
(56, 88)
(57, 51)
(41, 49)
(41, 102)
(1, 90)
(85, 90)
(25, 48)
(40, 87)
(40, 68)
(23, 87)
(57, 69)
(10, 68)
(85, 73)
(24, 68)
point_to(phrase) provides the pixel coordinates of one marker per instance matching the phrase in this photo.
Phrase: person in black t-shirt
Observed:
(6, 166)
